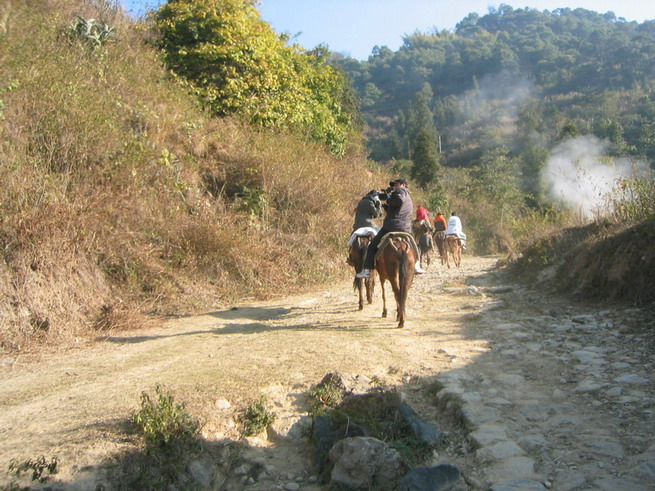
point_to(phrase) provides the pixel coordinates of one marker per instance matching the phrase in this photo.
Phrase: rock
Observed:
(422, 430)
(511, 469)
(443, 477)
(632, 379)
(499, 451)
(519, 485)
(487, 435)
(202, 473)
(365, 463)
(222, 404)
(326, 432)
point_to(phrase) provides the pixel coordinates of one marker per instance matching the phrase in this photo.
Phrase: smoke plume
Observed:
(580, 174)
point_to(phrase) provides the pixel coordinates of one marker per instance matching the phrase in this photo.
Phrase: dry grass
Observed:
(121, 197)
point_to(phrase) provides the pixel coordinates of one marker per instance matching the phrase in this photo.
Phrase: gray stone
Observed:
(567, 479)
(510, 379)
(646, 470)
(511, 469)
(534, 443)
(499, 451)
(201, 472)
(620, 484)
(632, 379)
(421, 430)
(604, 446)
(444, 477)
(519, 485)
(487, 435)
(365, 463)
(475, 414)
(590, 385)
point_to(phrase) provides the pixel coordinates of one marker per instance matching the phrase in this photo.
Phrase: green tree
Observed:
(425, 158)
(237, 64)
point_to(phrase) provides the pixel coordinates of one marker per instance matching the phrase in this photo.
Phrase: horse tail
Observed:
(403, 276)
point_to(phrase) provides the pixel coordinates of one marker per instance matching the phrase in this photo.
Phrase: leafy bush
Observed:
(633, 199)
(163, 422)
(256, 418)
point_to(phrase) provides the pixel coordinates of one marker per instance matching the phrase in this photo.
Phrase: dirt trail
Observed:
(549, 394)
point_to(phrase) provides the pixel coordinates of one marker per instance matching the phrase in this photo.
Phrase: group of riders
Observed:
(397, 203)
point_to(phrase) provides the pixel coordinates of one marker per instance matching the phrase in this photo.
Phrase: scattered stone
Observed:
(487, 435)
(519, 485)
(632, 379)
(511, 469)
(365, 463)
(422, 430)
(201, 472)
(222, 404)
(442, 477)
(291, 486)
(499, 451)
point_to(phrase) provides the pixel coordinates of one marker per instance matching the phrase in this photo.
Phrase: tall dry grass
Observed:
(120, 197)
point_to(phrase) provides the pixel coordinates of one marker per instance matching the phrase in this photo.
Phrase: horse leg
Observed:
(370, 287)
(360, 288)
(384, 298)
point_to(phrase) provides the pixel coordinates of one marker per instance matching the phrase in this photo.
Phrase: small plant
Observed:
(323, 396)
(90, 31)
(256, 417)
(41, 468)
(163, 422)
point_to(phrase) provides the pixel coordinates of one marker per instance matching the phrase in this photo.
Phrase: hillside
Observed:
(517, 81)
(123, 197)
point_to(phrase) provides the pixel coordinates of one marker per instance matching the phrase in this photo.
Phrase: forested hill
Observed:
(514, 80)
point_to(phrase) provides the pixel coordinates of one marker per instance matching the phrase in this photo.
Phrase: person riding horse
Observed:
(455, 228)
(399, 207)
(368, 209)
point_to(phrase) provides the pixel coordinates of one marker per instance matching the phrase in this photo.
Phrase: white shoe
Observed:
(365, 273)
(418, 269)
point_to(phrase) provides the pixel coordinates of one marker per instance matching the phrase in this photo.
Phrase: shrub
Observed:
(256, 418)
(163, 422)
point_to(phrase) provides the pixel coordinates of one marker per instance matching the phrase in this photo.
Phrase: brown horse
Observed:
(439, 239)
(453, 249)
(358, 255)
(395, 263)
(424, 248)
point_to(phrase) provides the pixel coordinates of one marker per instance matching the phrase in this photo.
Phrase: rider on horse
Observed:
(455, 228)
(399, 207)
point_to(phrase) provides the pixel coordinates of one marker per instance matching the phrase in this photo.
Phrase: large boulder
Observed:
(365, 463)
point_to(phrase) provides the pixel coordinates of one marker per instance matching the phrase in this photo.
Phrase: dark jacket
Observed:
(368, 209)
(400, 210)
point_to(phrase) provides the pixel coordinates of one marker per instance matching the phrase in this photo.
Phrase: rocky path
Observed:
(533, 392)
(564, 399)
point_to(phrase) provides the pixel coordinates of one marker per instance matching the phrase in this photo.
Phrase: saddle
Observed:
(404, 236)
(362, 232)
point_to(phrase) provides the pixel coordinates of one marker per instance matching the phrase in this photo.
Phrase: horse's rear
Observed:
(454, 250)
(424, 249)
(358, 255)
(395, 263)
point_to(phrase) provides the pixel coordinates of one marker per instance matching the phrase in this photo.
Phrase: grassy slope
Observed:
(121, 197)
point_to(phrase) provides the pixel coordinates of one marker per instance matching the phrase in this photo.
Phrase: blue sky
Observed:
(354, 27)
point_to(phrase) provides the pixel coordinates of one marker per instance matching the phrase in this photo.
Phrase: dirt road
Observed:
(549, 394)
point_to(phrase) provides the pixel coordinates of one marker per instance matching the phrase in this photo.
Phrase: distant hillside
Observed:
(516, 81)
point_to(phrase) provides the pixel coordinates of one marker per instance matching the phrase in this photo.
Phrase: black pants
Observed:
(372, 250)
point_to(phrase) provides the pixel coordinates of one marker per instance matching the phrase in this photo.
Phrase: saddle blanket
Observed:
(363, 232)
